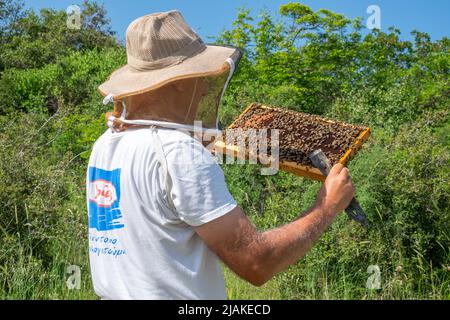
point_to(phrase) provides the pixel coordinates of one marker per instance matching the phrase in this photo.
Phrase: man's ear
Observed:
(118, 108)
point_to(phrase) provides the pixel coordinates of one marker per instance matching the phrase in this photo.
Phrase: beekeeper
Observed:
(160, 213)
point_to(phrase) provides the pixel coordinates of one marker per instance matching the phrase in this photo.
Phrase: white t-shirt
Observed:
(139, 247)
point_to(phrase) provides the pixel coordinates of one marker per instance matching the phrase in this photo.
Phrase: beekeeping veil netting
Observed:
(189, 106)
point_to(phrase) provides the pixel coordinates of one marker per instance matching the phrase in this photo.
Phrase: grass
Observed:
(238, 289)
(29, 278)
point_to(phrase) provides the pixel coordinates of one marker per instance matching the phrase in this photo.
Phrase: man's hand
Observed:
(337, 191)
(258, 256)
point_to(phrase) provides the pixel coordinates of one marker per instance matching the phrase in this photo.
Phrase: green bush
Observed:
(27, 90)
(72, 79)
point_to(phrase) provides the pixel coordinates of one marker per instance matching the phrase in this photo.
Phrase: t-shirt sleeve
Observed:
(199, 191)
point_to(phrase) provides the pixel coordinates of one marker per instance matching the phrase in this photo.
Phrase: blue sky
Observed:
(210, 17)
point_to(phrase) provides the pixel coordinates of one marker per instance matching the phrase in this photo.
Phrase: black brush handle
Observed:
(354, 210)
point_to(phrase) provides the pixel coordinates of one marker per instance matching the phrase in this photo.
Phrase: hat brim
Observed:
(126, 81)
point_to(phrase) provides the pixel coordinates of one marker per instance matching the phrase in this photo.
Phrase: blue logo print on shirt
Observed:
(104, 196)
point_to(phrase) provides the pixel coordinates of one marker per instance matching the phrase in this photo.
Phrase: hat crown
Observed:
(161, 39)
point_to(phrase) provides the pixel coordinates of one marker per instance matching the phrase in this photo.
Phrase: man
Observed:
(160, 214)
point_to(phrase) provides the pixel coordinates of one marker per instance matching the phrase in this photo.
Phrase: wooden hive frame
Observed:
(289, 166)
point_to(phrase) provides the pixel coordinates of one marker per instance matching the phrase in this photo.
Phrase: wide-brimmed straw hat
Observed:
(161, 48)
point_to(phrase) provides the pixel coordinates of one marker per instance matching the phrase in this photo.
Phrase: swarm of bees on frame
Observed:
(301, 133)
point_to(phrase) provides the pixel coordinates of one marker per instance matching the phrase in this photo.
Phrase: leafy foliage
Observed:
(33, 40)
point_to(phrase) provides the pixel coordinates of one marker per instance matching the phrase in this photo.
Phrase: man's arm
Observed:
(256, 256)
